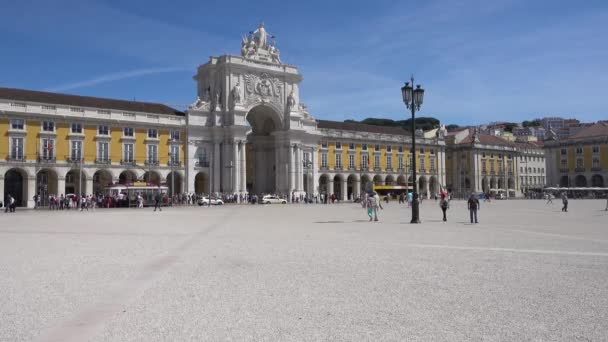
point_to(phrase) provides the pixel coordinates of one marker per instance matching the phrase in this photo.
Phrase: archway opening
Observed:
(174, 183)
(422, 183)
(75, 182)
(201, 183)
(101, 180)
(484, 185)
(351, 189)
(377, 180)
(152, 177)
(433, 186)
(401, 180)
(266, 164)
(365, 180)
(338, 191)
(580, 181)
(127, 177)
(389, 180)
(46, 185)
(323, 184)
(15, 184)
(597, 181)
(564, 182)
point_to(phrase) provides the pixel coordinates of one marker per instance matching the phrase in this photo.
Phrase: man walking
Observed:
(565, 202)
(444, 205)
(157, 200)
(473, 207)
(549, 198)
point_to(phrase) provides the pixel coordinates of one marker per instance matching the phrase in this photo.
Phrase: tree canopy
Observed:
(424, 123)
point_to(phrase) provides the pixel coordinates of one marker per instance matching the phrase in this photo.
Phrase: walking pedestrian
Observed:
(374, 204)
(473, 205)
(157, 200)
(12, 204)
(444, 205)
(565, 202)
(549, 198)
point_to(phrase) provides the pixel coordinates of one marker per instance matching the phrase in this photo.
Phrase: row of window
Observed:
(364, 147)
(531, 169)
(500, 166)
(533, 180)
(579, 150)
(103, 130)
(365, 162)
(580, 163)
(47, 151)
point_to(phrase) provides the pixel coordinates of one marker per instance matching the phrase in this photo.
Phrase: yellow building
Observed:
(53, 144)
(353, 154)
(488, 163)
(581, 160)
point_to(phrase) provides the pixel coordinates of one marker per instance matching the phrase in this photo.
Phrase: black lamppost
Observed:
(413, 100)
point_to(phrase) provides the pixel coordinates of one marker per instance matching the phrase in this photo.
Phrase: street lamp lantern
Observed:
(412, 98)
(406, 91)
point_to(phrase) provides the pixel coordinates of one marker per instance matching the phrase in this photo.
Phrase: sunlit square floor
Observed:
(526, 272)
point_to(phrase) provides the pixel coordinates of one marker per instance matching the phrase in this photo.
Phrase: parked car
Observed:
(207, 201)
(270, 199)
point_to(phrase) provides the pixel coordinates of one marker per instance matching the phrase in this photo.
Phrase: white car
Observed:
(269, 199)
(214, 201)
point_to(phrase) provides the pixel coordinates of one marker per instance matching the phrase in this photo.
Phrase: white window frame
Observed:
(47, 122)
(72, 126)
(351, 161)
(400, 162)
(155, 135)
(148, 154)
(175, 135)
(174, 154)
(100, 156)
(16, 156)
(45, 155)
(376, 161)
(364, 160)
(74, 157)
(124, 130)
(324, 160)
(124, 152)
(107, 129)
(338, 159)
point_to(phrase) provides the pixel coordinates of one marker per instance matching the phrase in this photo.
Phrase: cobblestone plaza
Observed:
(527, 271)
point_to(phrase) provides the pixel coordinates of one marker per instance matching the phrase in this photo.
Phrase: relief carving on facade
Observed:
(263, 88)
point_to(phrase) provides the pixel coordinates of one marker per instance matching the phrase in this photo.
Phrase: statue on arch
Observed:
(291, 101)
(262, 36)
(274, 53)
(236, 93)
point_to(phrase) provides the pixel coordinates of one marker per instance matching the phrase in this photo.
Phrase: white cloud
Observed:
(116, 77)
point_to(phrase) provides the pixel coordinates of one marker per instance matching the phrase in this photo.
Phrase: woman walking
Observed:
(444, 207)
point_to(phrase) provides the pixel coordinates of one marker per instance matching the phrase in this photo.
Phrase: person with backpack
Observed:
(444, 205)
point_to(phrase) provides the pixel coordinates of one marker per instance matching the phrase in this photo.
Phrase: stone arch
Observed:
(15, 184)
(174, 182)
(201, 183)
(101, 179)
(501, 184)
(377, 180)
(323, 184)
(127, 177)
(152, 177)
(511, 183)
(389, 180)
(564, 182)
(493, 183)
(47, 181)
(351, 188)
(264, 120)
(365, 179)
(433, 186)
(597, 181)
(401, 180)
(580, 181)
(422, 183)
(337, 190)
(75, 182)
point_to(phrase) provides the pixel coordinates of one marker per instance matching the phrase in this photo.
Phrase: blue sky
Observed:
(479, 61)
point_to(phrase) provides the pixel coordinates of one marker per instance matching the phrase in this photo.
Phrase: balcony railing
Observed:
(20, 159)
(389, 169)
(596, 169)
(377, 168)
(175, 163)
(103, 161)
(202, 163)
(351, 167)
(151, 162)
(579, 169)
(128, 162)
(324, 167)
(338, 167)
(563, 170)
(46, 160)
(73, 160)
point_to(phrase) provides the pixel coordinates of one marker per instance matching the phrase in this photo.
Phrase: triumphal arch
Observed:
(248, 131)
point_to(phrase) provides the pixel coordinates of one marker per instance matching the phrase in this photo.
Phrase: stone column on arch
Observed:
(344, 189)
(216, 167)
(31, 191)
(356, 187)
(235, 167)
(243, 166)
(88, 185)
(2, 199)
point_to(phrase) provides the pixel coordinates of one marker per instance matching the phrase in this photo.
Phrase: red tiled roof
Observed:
(86, 101)
(359, 127)
(486, 139)
(599, 129)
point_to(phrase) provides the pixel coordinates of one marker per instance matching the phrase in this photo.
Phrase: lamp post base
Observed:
(415, 211)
